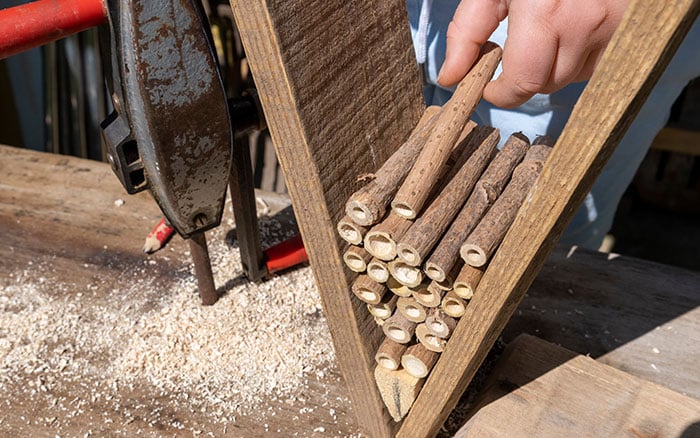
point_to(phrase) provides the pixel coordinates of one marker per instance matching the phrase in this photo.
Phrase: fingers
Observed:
(473, 23)
(529, 56)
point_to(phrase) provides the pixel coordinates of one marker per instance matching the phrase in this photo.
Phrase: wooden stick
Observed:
(351, 232)
(411, 309)
(385, 308)
(398, 288)
(368, 290)
(453, 305)
(378, 270)
(467, 280)
(439, 323)
(368, 205)
(389, 354)
(427, 230)
(488, 234)
(356, 258)
(418, 360)
(411, 197)
(380, 241)
(407, 275)
(485, 193)
(429, 296)
(398, 328)
(429, 340)
(398, 390)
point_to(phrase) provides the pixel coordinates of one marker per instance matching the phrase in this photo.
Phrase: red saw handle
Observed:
(285, 254)
(37, 23)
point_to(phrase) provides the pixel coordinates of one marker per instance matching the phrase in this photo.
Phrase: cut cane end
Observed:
(349, 234)
(397, 334)
(473, 255)
(437, 327)
(453, 308)
(377, 273)
(463, 291)
(415, 367)
(381, 246)
(409, 255)
(369, 296)
(360, 214)
(403, 210)
(434, 272)
(355, 263)
(387, 363)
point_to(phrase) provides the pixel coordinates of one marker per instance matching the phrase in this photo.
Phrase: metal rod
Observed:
(202, 268)
(243, 203)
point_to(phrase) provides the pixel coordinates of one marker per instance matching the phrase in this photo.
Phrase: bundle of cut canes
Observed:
(423, 230)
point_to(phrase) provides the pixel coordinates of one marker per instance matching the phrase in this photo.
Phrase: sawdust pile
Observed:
(259, 342)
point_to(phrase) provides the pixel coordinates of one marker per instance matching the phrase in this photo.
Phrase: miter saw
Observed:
(174, 131)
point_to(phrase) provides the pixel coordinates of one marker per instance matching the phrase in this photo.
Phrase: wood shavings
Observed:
(105, 336)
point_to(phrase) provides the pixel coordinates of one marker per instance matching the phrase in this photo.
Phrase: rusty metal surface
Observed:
(168, 89)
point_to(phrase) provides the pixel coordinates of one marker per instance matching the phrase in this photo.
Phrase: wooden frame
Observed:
(340, 91)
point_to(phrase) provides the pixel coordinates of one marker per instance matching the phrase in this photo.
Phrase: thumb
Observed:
(472, 25)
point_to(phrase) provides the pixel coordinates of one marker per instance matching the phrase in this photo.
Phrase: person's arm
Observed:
(550, 43)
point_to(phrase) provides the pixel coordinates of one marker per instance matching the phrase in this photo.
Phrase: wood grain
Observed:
(540, 389)
(340, 89)
(646, 40)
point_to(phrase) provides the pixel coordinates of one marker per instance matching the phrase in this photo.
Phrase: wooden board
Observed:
(638, 316)
(539, 389)
(635, 58)
(340, 89)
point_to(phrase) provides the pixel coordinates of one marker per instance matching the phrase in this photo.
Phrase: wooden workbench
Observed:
(639, 317)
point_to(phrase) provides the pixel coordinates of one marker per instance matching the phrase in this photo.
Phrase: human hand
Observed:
(550, 43)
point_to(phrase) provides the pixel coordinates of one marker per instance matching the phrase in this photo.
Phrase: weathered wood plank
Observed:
(340, 90)
(635, 315)
(539, 389)
(633, 62)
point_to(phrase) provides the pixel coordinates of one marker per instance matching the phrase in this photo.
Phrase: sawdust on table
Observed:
(259, 342)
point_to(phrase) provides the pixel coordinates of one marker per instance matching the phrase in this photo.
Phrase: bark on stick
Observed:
(389, 354)
(398, 328)
(485, 193)
(368, 290)
(356, 258)
(467, 281)
(418, 360)
(426, 231)
(369, 204)
(488, 234)
(351, 232)
(380, 241)
(411, 197)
